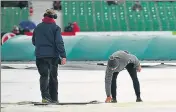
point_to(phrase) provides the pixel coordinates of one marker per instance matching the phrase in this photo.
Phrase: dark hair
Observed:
(50, 15)
(113, 62)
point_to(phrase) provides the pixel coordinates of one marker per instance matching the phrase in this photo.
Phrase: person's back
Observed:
(124, 57)
(44, 40)
(48, 40)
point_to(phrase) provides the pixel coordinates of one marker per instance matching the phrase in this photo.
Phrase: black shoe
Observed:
(139, 100)
(56, 102)
(113, 101)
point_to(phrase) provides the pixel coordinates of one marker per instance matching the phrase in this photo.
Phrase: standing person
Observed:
(116, 63)
(49, 51)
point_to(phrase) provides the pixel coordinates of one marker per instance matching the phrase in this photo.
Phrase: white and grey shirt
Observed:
(124, 59)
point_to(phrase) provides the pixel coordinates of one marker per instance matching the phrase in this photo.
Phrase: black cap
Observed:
(113, 62)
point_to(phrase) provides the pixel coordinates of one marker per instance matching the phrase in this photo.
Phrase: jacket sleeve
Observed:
(33, 38)
(108, 79)
(59, 43)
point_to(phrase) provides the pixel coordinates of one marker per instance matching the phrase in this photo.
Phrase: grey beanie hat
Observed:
(113, 62)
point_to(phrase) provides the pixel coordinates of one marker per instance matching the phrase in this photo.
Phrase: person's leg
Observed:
(43, 69)
(133, 73)
(114, 86)
(53, 82)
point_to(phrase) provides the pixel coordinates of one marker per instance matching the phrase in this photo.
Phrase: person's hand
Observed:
(108, 99)
(139, 68)
(63, 61)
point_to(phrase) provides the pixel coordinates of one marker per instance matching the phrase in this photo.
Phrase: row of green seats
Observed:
(11, 16)
(98, 16)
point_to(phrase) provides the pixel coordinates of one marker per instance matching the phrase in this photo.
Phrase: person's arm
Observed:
(108, 79)
(33, 38)
(136, 62)
(59, 43)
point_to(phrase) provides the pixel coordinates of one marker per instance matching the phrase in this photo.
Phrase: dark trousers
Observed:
(47, 68)
(133, 74)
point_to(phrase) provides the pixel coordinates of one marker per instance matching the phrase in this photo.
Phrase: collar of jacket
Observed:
(48, 20)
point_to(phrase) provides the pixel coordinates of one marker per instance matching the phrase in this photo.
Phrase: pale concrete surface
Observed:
(40, 8)
(157, 90)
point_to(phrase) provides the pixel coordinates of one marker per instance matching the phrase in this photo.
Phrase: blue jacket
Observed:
(47, 40)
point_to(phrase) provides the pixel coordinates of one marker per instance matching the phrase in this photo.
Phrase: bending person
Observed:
(116, 63)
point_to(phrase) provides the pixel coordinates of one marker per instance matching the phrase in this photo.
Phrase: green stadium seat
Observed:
(130, 14)
(174, 8)
(12, 16)
(90, 16)
(162, 15)
(106, 16)
(98, 16)
(17, 14)
(82, 21)
(8, 18)
(114, 18)
(66, 13)
(140, 21)
(3, 25)
(172, 17)
(73, 11)
(147, 18)
(24, 14)
(154, 15)
(122, 18)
